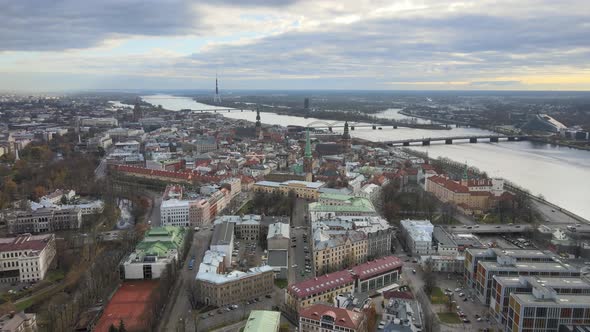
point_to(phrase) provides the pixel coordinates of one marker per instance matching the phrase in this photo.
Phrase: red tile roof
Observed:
(25, 242)
(377, 267)
(449, 184)
(320, 284)
(398, 295)
(342, 317)
(323, 283)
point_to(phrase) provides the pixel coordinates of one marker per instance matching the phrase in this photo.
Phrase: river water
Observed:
(560, 174)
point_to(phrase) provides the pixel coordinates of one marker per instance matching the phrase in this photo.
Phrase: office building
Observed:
(337, 205)
(418, 236)
(515, 263)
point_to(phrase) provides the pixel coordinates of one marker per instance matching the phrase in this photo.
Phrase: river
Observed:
(560, 174)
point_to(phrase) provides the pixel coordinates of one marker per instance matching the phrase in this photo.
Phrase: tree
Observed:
(112, 328)
(193, 293)
(122, 326)
(371, 315)
(429, 277)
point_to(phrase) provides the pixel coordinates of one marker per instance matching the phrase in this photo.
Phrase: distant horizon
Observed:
(228, 92)
(379, 45)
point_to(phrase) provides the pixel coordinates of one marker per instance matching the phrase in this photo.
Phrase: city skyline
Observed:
(290, 44)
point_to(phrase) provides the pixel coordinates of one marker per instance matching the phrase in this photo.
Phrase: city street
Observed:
(297, 255)
(178, 306)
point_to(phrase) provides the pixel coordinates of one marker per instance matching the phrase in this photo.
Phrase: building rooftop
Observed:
(263, 320)
(278, 258)
(223, 233)
(529, 266)
(25, 242)
(209, 267)
(338, 279)
(341, 317)
(528, 299)
(355, 204)
(418, 230)
(278, 230)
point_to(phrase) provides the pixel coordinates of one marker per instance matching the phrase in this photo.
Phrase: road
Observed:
(178, 306)
(297, 255)
(552, 215)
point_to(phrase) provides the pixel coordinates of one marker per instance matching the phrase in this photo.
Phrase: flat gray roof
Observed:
(277, 258)
(223, 233)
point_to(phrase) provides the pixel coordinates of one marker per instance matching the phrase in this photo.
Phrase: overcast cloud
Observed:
(295, 44)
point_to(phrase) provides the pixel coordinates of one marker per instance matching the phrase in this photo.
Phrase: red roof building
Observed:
(326, 318)
(366, 277)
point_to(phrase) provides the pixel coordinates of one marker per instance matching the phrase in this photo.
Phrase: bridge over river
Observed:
(449, 139)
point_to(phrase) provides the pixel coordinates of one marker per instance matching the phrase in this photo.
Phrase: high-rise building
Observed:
(217, 97)
(306, 103)
(137, 112)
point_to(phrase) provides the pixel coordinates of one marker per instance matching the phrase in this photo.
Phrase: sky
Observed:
(53, 45)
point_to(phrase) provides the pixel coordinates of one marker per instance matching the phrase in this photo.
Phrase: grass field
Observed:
(449, 317)
(438, 296)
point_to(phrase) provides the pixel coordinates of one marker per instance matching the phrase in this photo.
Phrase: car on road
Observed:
(294, 265)
(268, 296)
(414, 271)
(293, 246)
(466, 320)
(457, 289)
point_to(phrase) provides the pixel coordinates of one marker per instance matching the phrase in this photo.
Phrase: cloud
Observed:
(367, 44)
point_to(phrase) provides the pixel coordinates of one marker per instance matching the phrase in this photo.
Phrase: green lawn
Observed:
(449, 317)
(55, 275)
(281, 283)
(24, 304)
(438, 296)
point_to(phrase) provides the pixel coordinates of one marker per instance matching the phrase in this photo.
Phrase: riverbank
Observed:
(541, 205)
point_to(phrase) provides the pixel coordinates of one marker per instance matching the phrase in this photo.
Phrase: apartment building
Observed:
(219, 288)
(333, 251)
(26, 257)
(337, 205)
(18, 322)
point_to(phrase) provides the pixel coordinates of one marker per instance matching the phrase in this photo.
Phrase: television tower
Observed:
(217, 97)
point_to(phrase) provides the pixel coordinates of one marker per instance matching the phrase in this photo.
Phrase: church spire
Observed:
(465, 178)
(346, 134)
(307, 144)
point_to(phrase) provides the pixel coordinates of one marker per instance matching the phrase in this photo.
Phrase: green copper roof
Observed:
(355, 204)
(263, 320)
(465, 175)
(157, 248)
(307, 144)
(166, 234)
